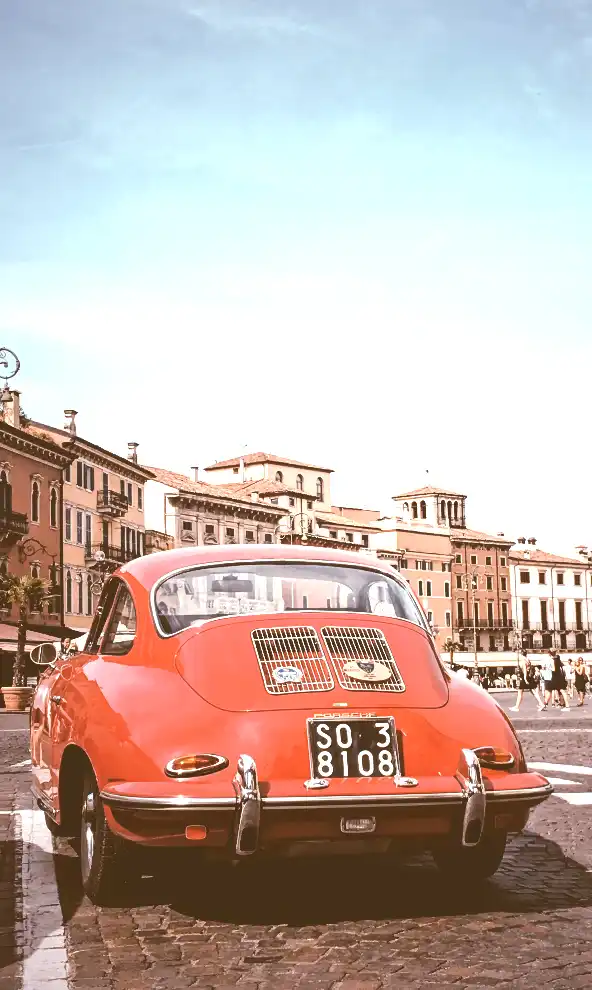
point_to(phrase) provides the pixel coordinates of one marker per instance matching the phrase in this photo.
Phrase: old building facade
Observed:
(103, 516)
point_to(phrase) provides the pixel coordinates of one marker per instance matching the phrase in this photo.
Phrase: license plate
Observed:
(362, 747)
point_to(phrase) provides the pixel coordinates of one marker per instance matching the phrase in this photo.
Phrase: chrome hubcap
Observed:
(87, 835)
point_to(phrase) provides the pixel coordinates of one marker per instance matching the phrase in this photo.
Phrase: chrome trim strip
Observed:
(249, 806)
(166, 803)
(43, 802)
(530, 795)
(471, 780)
(390, 572)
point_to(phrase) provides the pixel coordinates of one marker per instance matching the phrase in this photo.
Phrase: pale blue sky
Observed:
(354, 231)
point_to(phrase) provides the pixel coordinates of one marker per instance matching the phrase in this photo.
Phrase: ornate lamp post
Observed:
(8, 359)
(30, 548)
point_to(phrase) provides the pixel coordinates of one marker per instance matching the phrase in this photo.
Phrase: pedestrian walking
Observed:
(526, 677)
(547, 678)
(571, 677)
(580, 680)
(558, 682)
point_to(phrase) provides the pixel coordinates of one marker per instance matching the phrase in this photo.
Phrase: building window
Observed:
(420, 589)
(560, 577)
(309, 505)
(89, 478)
(274, 501)
(68, 524)
(364, 539)
(456, 511)
(460, 613)
(414, 510)
(235, 470)
(443, 511)
(447, 619)
(492, 646)
(89, 596)
(53, 508)
(489, 583)
(292, 502)
(129, 493)
(268, 538)
(422, 510)
(459, 581)
(525, 614)
(122, 486)
(404, 564)
(320, 489)
(473, 558)
(447, 589)
(458, 559)
(524, 577)
(279, 476)
(542, 577)
(79, 528)
(578, 580)
(349, 537)
(209, 529)
(488, 561)
(79, 474)
(476, 612)
(429, 589)
(35, 502)
(502, 561)
(140, 498)
(68, 473)
(504, 583)
(105, 481)
(250, 536)
(68, 592)
(229, 533)
(299, 482)
(333, 534)
(490, 613)
(80, 593)
(87, 530)
(505, 613)
(187, 524)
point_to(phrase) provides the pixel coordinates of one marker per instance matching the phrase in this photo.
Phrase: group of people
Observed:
(555, 683)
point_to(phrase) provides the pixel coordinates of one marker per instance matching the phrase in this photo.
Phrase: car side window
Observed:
(121, 629)
(102, 614)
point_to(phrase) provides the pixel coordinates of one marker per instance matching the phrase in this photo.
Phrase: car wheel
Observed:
(102, 854)
(52, 826)
(471, 864)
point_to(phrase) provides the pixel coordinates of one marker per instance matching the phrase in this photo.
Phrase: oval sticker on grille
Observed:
(287, 675)
(366, 670)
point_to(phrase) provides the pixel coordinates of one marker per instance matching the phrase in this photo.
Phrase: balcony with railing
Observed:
(13, 526)
(113, 504)
(468, 622)
(556, 625)
(113, 556)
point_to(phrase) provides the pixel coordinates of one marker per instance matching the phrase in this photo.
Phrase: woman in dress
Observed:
(581, 679)
(526, 682)
(557, 683)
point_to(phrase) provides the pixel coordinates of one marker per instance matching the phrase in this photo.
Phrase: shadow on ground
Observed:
(535, 876)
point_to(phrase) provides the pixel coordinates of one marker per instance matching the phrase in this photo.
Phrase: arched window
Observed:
(35, 502)
(450, 512)
(279, 476)
(299, 483)
(443, 510)
(422, 510)
(68, 592)
(53, 509)
(456, 511)
(406, 507)
(414, 510)
(320, 489)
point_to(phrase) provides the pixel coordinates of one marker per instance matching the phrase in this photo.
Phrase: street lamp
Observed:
(8, 359)
(471, 586)
(30, 548)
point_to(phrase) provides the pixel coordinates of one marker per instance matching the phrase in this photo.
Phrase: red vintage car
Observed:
(271, 700)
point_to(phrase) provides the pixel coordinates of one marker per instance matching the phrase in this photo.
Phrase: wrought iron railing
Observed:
(115, 503)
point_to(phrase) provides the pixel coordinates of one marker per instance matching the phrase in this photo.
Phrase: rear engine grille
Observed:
(349, 643)
(296, 647)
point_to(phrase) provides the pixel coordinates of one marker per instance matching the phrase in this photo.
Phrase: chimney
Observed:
(12, 409)
(195, 470)
(254, 496)
(532, 540)
(70, 424)
(521, 539)
(132, 452)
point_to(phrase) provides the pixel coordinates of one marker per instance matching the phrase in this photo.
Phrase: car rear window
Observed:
(196, 595)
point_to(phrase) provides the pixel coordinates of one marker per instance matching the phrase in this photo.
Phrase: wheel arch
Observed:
(75, 763)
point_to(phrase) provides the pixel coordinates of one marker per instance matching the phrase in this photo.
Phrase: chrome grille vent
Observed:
(347, 644)
(296, 648)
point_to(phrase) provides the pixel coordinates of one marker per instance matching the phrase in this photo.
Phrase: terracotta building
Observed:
(31, 496)
(103, 516)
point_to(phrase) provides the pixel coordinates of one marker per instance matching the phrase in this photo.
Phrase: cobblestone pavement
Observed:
(304, 925)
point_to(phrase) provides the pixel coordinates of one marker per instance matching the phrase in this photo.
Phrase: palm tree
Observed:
(451, 646)
(27, 593)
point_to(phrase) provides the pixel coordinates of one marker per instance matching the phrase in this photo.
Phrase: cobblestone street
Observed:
(331, 926)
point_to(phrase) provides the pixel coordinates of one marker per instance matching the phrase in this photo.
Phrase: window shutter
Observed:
(92, 479)
(79, 474)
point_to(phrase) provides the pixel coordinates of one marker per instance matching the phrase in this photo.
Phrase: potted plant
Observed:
(27, 593)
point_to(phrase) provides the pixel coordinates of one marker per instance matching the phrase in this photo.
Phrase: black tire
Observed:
(468, 865)
(52, 826)
(103, 856)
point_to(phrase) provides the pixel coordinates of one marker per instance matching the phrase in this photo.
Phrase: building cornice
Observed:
(101, 457)
(33, 446)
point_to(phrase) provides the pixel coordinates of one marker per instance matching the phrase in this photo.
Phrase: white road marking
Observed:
(523, 732)
(45, 963)
(23, 763)
(562, 768)
(580, 798)
(562, 782)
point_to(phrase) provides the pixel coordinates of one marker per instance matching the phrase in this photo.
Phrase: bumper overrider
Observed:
(468, 799)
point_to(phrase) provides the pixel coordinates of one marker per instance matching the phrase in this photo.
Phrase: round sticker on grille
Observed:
(287, 675)
(366, 670)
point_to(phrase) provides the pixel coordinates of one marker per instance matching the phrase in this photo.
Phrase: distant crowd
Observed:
(554, 682)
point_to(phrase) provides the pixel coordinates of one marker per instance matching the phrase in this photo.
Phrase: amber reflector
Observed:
(493, 758)
(196, 832)
(197, 765)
